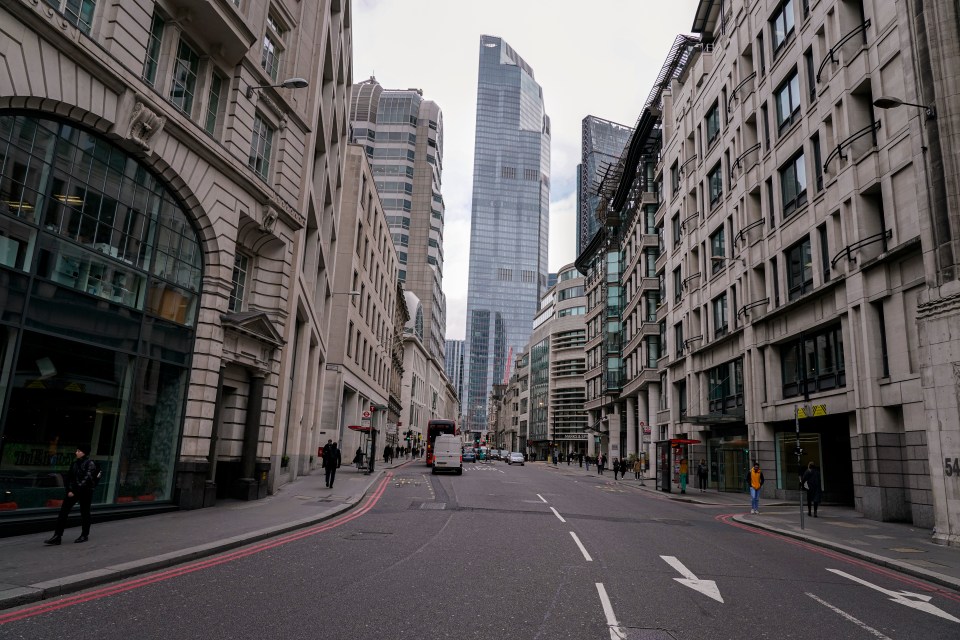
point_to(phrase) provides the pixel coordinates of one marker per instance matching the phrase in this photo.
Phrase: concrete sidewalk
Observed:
(31, 571)
(894, 545)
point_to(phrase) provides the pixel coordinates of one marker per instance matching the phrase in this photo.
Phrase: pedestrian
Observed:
(568, 458)
(331, 462)
(358, 457)
(702, 475)
(79, 484)
(814, 487)
(600, 462)
(684, 469)
(580, 460)
(323, 453)
(616, 467)
(587, 460)
(637, 468)
(755, 483)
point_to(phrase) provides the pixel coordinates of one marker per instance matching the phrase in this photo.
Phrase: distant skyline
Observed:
(594, 62)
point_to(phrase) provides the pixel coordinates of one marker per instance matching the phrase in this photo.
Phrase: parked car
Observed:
(469, 455)
(517, 457)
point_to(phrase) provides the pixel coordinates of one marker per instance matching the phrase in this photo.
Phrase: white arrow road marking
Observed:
(706, 587)
(913, 600)
(849, 617)
(616, 633)
(583, 549)
(557, 514)
(541, 497)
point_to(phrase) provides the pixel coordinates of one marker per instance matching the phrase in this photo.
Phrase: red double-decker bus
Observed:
(436, 428)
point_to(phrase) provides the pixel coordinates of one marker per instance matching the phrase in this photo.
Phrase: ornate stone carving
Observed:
(145, 123)
(270, 216)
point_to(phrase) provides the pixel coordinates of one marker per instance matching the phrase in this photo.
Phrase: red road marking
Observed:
(913, 582)
(136, 583)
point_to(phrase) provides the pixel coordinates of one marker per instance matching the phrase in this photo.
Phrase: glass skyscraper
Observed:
(509, 224)
(601, 143)
(403, 136)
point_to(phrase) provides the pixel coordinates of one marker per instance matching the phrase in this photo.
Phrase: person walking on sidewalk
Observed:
(755, 482)
(813, 486)
(637, 468)
(702, 475)
(80, 482)
(684, 471)
(616, 467)
(601, 460)
(587, 460)
(331, 462)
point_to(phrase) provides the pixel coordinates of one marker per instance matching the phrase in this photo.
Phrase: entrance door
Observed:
(733, 467)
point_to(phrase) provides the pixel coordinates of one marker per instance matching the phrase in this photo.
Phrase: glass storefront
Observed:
(100, 272)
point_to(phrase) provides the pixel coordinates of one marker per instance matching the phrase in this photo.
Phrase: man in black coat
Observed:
(79, 482)
(331, 462)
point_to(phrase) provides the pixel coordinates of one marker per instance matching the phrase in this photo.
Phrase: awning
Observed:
(356, 427)
(675, 441)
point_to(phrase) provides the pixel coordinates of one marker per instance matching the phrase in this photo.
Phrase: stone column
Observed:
(631, 428)
(246, 487)
(643, 416)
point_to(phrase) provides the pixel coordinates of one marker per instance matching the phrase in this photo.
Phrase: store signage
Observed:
(571, 436)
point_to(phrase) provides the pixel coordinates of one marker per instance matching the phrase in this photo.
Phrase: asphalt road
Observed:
(512, 552)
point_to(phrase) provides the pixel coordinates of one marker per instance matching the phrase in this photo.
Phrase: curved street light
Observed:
(289, 83)
(890, 102)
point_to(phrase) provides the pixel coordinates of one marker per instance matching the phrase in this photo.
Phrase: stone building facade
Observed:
(169, 215)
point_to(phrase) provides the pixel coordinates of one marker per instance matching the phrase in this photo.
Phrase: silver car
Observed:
(516, 456)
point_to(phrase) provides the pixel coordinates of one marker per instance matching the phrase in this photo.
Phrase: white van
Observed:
(447, 450)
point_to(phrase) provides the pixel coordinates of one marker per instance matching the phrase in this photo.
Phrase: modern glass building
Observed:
(509, 223)
(454, 365)
(403, 136)
(601, 143)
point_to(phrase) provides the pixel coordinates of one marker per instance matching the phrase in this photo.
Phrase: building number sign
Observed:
(951, 466)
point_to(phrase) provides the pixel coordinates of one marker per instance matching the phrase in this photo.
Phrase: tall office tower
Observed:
(403, 136)
(601, 143)
(454, 365)
(509, 224)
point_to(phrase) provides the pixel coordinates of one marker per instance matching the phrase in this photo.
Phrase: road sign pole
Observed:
(796, 422)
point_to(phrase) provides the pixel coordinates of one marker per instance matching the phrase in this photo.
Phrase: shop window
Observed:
(788, 469)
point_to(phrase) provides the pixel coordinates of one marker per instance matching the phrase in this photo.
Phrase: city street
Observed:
(510, 551)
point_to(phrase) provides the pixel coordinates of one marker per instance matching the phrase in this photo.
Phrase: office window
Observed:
(682, 397)
(677, 285)
(184, 83)
(824, 251)
(725, 386)
(817, 161)
(675, 223)
(715, 184)
(241, 270)
(720, 315)
(675, 178)
(713, 124)
(152, 62)
(781, 26)
(793, 184)
(272, 49)
(718, 250)
(678, 339)
(775, 275)
(814, 362)
(261, 143)
(788, 102)
(214, 102)
(811, 75)
(799, 269)
(79, 13)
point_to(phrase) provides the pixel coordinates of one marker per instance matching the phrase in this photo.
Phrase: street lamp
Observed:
(889, 102)
(289, 83)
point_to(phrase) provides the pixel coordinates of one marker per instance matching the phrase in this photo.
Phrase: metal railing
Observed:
(743, 232)
(736, 90)
(683, 223)
(870, 129)
(847, 251)
(745, 308)
(688, 161)
(739, 160)
(862, 28)
(688, 279)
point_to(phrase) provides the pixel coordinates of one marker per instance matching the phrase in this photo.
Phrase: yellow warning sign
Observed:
(819, 410)
(801, 412)
(36, 384)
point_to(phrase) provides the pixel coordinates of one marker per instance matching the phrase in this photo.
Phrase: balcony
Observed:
(219, 24)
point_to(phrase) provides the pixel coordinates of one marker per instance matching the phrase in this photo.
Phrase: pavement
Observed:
(31, 571)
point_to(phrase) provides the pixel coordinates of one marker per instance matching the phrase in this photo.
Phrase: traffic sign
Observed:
(366, 415)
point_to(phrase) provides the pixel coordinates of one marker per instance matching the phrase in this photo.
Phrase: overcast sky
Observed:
(597, 58)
